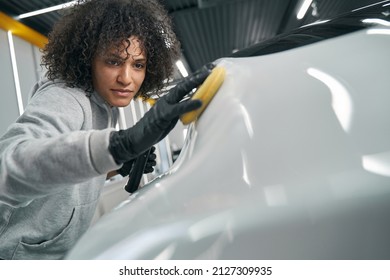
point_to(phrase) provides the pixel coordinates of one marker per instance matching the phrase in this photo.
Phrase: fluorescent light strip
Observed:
(133, 112)
(302, 11)
(46, 10)
(122, 118)
(15, 72)
(371, 5)
(182, 68)
(376, 21)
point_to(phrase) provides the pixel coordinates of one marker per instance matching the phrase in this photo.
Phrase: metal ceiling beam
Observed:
(19, 29)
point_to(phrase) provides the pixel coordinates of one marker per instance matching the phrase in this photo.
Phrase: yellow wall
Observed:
(19, 29)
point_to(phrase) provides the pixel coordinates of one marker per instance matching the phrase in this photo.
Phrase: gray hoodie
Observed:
(53, 163)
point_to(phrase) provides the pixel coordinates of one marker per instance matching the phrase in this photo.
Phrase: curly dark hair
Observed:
(93, 26)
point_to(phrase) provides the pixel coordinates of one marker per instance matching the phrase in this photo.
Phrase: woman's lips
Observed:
(121, 92)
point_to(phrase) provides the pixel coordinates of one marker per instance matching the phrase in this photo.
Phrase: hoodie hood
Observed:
(44, 83)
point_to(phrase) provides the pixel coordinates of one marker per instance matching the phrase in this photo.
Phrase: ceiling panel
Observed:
(210, 29)
(209, 33)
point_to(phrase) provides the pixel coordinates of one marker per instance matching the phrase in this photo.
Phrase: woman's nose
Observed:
(124, 75)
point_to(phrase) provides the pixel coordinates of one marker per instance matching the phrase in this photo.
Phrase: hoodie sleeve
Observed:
(46, 150)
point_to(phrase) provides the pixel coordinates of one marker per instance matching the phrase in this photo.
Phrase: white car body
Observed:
(291, 160)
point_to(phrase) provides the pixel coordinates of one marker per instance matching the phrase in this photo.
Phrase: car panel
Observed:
(289, 161)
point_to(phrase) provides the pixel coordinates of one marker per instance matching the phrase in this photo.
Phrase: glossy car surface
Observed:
(291, 159)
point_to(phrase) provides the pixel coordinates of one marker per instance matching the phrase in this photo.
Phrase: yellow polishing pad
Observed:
(205, 93)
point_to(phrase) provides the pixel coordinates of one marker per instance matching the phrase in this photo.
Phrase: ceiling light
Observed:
(46, 10)
(182, 68)
(15, 72)
(376, 21)
(302, 11)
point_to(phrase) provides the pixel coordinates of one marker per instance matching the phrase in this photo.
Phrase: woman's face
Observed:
(117, 75)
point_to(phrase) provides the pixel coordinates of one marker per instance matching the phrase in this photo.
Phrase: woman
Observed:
(55, 157)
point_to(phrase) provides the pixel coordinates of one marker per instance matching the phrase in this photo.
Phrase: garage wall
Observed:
(8, 106)
(28, 62)
(17, 76)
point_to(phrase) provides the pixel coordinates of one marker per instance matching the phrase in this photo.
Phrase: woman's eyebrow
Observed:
(141, 59)
(135, 57)
(112, 55)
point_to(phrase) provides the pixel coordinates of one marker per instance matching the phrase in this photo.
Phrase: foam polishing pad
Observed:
(205, 93)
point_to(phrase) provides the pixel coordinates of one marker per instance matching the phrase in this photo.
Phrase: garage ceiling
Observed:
(210, 29)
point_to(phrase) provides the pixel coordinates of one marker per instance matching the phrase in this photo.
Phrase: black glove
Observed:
(149, 167)
(158, 121)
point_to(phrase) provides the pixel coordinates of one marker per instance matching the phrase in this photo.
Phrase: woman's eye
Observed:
(139, 65)
(114, 62)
